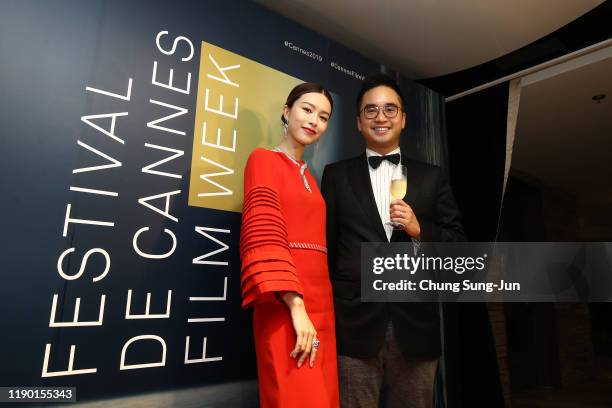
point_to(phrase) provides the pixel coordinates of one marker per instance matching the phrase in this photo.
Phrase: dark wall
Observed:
(476, 129)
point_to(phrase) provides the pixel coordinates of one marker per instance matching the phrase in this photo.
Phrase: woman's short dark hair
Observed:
(375, 80)
(306, 87)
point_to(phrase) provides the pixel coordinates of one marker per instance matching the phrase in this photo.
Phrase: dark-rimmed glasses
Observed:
(390, 111)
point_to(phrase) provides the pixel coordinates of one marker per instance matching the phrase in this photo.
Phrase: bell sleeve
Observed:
(266, 262)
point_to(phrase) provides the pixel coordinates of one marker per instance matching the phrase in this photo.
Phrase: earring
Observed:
(285, 127)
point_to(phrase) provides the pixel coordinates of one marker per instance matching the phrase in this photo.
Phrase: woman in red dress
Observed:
(284, 263)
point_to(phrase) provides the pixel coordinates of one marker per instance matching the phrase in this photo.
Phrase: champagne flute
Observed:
(397, 190)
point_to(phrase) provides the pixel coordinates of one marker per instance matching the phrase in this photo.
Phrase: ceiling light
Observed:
(598, 98)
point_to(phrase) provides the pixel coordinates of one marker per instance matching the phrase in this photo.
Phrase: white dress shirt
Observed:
(381, 184)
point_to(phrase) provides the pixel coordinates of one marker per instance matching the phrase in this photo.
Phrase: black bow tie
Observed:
(376, 160)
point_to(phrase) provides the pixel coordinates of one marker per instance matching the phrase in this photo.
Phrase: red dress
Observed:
(282, 245)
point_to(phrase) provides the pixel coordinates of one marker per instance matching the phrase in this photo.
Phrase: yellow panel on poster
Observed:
(238, 108)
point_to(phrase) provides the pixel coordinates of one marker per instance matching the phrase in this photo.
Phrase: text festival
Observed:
(105, 123)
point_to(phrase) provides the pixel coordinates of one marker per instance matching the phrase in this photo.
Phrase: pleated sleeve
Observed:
(266, 262)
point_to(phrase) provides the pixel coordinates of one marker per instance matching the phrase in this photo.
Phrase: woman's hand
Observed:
(304, 329)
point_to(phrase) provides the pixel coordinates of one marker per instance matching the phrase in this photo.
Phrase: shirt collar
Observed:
(370, 152)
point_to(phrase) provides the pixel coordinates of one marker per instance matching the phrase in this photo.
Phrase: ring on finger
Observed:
(316, 343)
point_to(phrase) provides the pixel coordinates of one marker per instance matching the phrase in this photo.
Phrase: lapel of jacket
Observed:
(359, 176)
(414, 182)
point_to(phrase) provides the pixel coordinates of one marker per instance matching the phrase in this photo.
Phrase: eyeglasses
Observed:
(389, 110)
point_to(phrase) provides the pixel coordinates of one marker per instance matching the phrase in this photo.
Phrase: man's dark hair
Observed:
(375, 80)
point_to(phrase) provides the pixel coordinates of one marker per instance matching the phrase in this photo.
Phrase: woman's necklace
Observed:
(293, 159)
(302, 167)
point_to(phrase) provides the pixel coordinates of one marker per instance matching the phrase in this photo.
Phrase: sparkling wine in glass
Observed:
(399, 184)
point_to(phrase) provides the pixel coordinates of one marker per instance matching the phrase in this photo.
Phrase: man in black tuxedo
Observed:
(387, 352)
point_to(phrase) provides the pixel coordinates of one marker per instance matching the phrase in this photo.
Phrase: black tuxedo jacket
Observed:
(352, 218)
